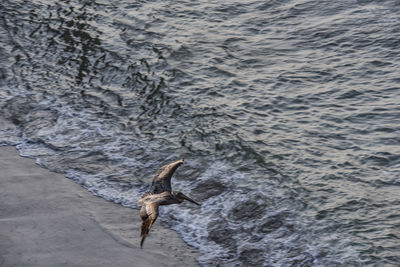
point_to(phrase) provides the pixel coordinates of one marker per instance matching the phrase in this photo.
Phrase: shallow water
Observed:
(286, 112)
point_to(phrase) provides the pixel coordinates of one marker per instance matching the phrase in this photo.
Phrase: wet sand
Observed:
(48, 220)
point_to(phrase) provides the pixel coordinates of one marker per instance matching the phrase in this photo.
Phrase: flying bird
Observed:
(161, 194)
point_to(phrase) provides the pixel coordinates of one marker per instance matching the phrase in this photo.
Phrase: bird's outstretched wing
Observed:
(149, 214)
(162, 180)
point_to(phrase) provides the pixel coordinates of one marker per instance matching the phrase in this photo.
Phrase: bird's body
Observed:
(161, 194)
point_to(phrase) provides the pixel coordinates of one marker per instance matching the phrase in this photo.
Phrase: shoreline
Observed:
(49, 220)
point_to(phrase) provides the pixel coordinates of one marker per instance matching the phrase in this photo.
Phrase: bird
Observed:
(161, 194)
(150, 204)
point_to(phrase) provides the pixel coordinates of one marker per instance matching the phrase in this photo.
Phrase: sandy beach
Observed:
(48, 220)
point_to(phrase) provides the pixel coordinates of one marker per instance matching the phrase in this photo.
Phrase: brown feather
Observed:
(149, 214)
(150, 202)
(162, 181)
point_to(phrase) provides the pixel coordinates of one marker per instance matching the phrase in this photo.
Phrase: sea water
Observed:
(286, 112)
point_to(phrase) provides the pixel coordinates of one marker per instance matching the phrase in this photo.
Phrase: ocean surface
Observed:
(287, 114)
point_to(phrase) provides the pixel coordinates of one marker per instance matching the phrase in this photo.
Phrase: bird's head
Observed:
(182, 197)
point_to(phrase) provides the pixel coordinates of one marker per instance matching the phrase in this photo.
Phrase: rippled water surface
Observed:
(287, 113)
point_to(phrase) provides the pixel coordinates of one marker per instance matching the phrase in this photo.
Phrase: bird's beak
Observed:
(190, 199)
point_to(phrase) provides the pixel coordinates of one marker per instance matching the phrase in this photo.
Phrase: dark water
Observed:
(287, 113)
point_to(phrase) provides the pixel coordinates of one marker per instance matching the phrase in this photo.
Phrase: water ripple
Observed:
(286, 112)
